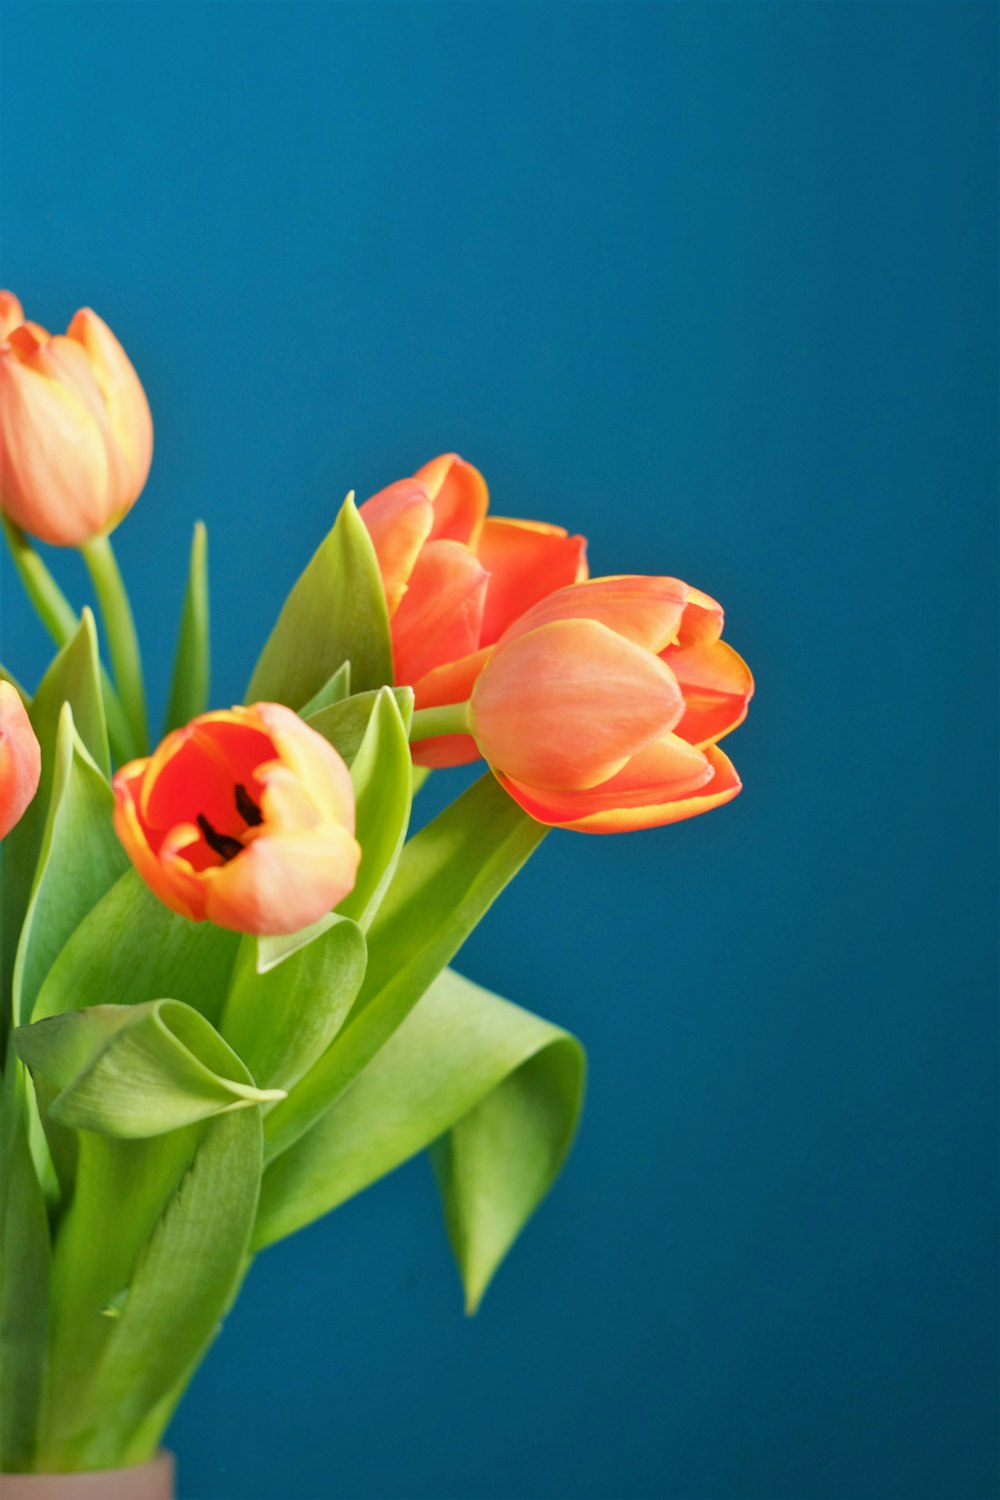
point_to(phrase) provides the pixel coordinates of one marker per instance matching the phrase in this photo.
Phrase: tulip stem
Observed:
(123, 643)
(447, 718)
(62, 623)
(51, 605)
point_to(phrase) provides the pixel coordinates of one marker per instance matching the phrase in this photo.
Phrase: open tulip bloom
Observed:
(227, 1000)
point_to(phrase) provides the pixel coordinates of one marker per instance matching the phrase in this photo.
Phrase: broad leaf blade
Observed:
(25, 1256)
(79, 859)
(282, 1020)
(345, 724)
(335, 613)
(73, 678)
(508, 1086)
(192, 663)
(131, 948)
(133, 1071)
(380, 772)
(448, 876)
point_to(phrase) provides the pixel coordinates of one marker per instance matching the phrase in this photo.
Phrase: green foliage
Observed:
(335, 613)
(448, 876)
(130, 948)
(336, 688)
(280, 1021)
(192, 665)
(136, 1070)
(507, 1086)
(79, 858)
(380, 771)
(345, 723)
(25, 1256)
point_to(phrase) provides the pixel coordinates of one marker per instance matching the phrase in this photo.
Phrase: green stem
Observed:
(51, 605)
(62, 622)
(123, 643)
(448, 718)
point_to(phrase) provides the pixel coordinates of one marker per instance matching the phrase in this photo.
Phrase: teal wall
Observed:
(715, 284)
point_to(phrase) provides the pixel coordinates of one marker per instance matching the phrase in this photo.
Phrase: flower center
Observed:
(224, 844)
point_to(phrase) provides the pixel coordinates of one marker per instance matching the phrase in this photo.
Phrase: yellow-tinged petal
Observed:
(602, 811)
(128, 414)
(717, 687)
(54, 476)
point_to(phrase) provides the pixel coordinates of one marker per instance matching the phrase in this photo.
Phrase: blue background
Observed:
(714, 284)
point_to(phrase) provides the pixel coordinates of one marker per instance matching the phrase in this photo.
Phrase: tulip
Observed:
(244, 818)
(20, 758)
(76, 436)
(600, 708)
(455, 580)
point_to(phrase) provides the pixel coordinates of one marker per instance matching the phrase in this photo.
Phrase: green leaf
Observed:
(132, 1071)
(131, 948)
(189, 689)
(72, 678)
(345, 724)
(25, 1256)
(508, 1086)
(79, 859)
(280, 1021)
(333, 690)
(448, 876)
(132, 1322)
(335, 613)
(381, 772)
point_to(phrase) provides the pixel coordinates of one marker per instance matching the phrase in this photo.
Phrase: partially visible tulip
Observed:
(455, 580)
(20, 758)
(76, 435)
(600, 708)
(244, 818)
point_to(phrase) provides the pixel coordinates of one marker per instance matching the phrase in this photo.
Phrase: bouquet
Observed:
(227, 997)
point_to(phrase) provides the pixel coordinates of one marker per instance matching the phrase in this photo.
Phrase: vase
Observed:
(151, 1481)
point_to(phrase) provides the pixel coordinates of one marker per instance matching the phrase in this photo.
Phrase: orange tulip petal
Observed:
(568, 704)
(717, 688)
(703, 620)
(53, 457)
(646, 611)
(399, 520)
(20, 759)
(11, 314)
(311, 760)
(129, 418)
(127, 785)
(283, 882)
(441, 613)
(195, 771)
(526, 560)
(459, 495)
(451, 683)
(627, 814)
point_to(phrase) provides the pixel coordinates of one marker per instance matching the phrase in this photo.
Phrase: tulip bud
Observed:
(76, 435)
(20, 759)
(244, 818)
(600, 707)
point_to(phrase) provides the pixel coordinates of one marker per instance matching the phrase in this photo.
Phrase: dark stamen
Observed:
(247, 807)
(227, 848)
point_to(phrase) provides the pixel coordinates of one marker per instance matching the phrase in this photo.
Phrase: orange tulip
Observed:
(244, 818)
(600, 707)
(20, 758)
(455, 580)
(76, 435)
